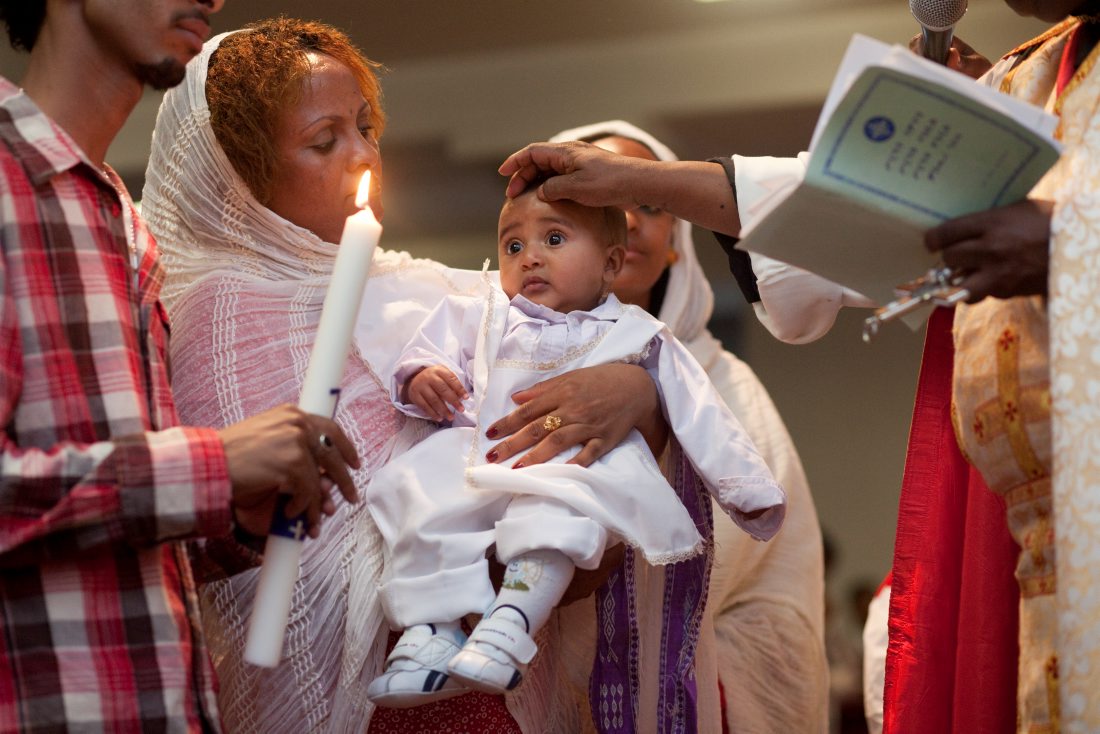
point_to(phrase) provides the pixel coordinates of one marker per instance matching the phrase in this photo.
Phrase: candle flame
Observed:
(362, 198)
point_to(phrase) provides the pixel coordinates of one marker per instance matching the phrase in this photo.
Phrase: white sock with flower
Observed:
(533, 585)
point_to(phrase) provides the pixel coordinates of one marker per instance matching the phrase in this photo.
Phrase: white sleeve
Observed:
(716, 443)
(795, 305)
(447, 337)
(876, 636)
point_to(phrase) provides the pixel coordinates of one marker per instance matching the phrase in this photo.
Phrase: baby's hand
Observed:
(436, 391)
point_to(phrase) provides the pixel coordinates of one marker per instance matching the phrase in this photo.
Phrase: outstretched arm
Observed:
(693, 190)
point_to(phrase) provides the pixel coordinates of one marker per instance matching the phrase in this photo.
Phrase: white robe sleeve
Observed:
(715, 442)
(876, 639)
(447, 337)
(795, 305)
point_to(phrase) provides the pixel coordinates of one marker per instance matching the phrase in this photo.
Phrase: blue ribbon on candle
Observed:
(295, 527)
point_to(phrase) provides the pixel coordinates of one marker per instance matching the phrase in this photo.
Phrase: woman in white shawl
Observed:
(245, 287)
(766, 600)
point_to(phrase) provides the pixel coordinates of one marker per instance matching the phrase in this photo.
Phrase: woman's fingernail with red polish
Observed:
(491, 433)
(491, 457)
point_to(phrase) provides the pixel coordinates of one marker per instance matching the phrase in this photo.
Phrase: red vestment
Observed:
(954, 605)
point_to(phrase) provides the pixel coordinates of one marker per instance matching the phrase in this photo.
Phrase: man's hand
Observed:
(960, 57)
(582, 172)
(437, 391)
(697, 191)
(1002, 252)
(287, 450)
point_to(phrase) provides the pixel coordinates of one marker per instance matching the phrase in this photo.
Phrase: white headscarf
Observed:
(205, 217)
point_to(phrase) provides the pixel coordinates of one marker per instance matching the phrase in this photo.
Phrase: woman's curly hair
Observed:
(256, 74)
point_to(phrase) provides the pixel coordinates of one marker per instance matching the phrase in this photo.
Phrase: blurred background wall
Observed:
(469, 82)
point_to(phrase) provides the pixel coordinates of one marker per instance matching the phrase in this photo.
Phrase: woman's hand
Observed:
(598, 406)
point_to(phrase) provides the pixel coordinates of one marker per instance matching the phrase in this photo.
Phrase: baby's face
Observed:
(555, 253)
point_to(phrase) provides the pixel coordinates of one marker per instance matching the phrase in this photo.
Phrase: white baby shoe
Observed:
(495, 657)
(416, 669)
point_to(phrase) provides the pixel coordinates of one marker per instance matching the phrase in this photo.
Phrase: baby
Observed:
(441, 505)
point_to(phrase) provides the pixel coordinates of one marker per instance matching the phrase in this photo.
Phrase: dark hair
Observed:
(614, 220)
(24, 20)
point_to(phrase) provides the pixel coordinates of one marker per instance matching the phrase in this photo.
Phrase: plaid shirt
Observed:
(98, 612)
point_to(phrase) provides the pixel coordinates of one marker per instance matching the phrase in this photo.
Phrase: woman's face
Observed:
(325, 144)
(648, 237)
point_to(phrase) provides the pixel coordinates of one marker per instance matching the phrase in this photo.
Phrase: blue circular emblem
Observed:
(879, 129)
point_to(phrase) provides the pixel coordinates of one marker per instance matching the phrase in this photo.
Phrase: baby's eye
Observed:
(650, 210)
(514, 247)
(555, 238)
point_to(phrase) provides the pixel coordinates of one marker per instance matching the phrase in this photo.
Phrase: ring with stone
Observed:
(551, 423)
(325, 441)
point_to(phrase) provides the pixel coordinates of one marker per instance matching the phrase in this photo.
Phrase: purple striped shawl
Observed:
(614, 686)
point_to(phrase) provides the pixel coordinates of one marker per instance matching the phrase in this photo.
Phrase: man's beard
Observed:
(163, 75)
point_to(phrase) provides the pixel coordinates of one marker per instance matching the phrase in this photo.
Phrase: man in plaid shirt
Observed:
(98, 614)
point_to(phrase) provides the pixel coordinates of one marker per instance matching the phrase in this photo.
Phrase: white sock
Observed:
(533, 585)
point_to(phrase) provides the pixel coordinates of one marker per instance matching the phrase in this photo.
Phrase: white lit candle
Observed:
(320, 391)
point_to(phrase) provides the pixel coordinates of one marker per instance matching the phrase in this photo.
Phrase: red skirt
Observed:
(470, 713)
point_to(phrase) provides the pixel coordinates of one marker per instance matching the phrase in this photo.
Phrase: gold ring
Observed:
(551, 423)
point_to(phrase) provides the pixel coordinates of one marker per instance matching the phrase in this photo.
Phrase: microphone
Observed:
(937, 20)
